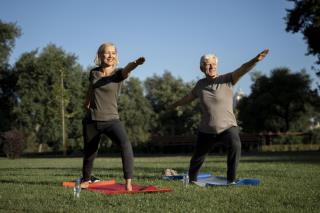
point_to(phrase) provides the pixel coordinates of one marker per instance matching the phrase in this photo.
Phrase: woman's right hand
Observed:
(140, 61)
(86, 106)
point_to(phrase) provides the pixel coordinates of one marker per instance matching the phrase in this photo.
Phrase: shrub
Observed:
(13, 143)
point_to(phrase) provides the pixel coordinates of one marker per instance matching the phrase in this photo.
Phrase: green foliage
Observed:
(135, 111)
(7, 97)
(41, 94)
(289, 183)
(305, 17)
(278, 103)
(162, 91)
(8, 34)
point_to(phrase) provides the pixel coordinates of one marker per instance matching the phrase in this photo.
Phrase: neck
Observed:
(211, 77)
(107, 70)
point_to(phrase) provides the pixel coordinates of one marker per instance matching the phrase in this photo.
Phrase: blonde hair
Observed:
(206, 57)
(100, 51)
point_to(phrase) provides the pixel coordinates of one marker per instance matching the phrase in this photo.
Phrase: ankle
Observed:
(128, 185)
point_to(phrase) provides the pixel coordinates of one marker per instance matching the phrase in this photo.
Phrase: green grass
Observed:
(290, 183)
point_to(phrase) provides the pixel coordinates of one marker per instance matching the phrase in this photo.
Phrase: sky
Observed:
(171, 34)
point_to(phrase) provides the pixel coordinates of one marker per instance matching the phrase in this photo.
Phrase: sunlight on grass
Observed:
(289, 183)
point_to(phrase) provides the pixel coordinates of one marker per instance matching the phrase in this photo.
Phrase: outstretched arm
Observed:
(246, 67)
(185, 100)
(131, 66)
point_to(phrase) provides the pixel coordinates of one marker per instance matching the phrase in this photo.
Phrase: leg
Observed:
(91, 142)
(232, 139)
(203, 146)
(118, 135)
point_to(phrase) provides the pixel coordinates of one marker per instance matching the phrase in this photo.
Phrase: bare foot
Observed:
(84, 185)
(128, 185)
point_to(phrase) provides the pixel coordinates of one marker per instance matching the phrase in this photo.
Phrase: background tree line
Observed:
(44, 89)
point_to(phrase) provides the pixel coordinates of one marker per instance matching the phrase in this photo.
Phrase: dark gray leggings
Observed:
(92, 131)
(230, 138)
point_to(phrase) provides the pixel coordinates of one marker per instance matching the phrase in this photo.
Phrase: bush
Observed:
(13, 143)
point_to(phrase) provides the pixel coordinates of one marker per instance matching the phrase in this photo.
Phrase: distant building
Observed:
(237, 97)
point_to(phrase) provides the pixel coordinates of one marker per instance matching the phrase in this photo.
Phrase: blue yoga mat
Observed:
(180, 176)
(222, 181)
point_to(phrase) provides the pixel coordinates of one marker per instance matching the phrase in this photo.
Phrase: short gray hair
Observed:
(207, 56)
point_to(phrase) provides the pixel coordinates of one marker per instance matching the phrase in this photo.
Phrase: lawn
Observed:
(289, 183)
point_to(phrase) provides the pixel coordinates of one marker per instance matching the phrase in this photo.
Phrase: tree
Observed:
(135, 111)
(278, 102)
(305, 18)
(162, 91)
(8, 34)
(41, 93)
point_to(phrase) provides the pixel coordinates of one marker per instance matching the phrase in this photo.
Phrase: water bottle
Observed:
(77, 188)
(185, 180)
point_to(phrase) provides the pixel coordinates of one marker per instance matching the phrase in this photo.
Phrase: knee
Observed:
(197, 159)
(236, 144)
(235, 141)
(126, 146)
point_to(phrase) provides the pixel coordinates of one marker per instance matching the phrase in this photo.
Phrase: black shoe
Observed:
(94, 179)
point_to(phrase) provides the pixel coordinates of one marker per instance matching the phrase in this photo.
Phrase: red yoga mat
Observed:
(110, 187)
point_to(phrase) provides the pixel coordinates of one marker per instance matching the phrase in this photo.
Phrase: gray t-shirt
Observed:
(216, 101)
(103, 103)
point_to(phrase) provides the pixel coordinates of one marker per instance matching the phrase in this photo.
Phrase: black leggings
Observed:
(230, 138)
(92, 131)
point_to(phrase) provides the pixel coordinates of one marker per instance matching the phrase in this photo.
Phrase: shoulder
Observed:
(201, 82)
(118, 74)
(199, 85)
(118, 69)
(95, 70)
(225, 78)
(94, 73)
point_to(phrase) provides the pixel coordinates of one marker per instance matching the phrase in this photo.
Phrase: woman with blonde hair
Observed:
(102, 112)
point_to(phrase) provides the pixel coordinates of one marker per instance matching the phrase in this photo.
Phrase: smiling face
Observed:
(108, 56)
(209, 65)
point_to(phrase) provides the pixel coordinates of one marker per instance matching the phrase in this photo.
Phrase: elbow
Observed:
(234, 82)
(235, 78)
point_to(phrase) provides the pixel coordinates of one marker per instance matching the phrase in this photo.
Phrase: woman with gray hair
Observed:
(218, 122)
(102, 112)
